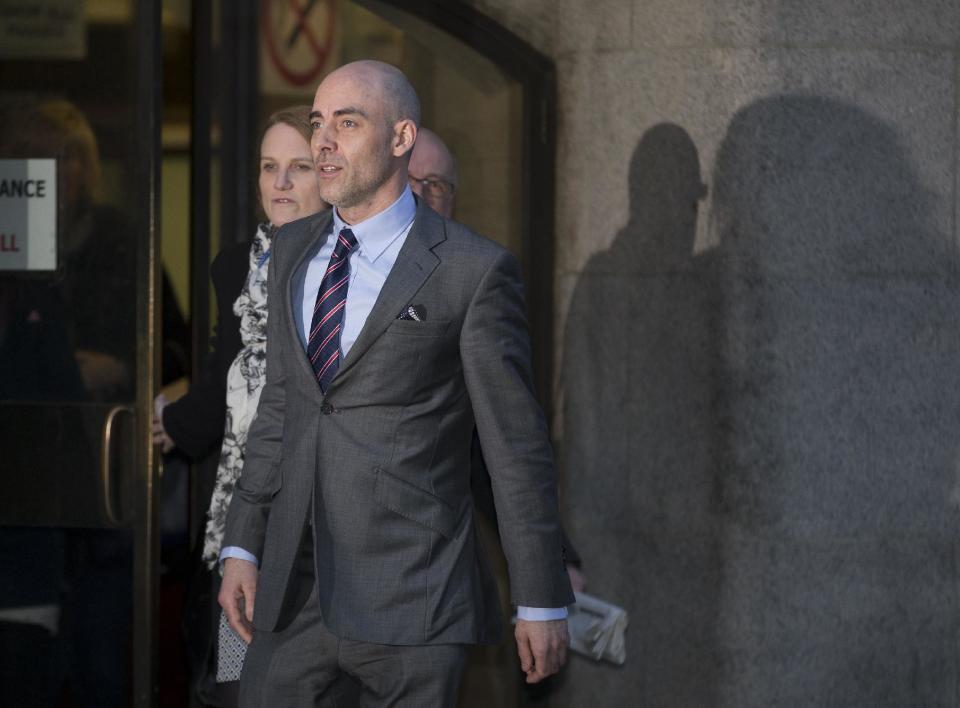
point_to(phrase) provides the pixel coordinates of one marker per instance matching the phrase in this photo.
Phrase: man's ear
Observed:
(404, 136)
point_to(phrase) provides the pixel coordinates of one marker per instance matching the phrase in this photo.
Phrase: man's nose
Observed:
(322, 141)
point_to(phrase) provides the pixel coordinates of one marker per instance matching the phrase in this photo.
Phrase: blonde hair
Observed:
(57, 128)
(297, 117)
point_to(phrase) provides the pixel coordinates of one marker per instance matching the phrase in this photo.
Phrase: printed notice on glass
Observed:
(42, 29)
(28, 215)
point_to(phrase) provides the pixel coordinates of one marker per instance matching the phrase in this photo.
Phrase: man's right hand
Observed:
(238, 590)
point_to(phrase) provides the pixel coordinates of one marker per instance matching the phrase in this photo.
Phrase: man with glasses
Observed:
(433, 173)
(434, 177)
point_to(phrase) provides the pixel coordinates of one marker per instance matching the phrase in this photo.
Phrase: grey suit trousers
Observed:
(302, 664)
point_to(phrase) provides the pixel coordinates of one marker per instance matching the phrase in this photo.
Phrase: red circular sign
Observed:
(310, 19)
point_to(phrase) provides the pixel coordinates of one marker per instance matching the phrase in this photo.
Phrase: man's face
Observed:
(432, 173)
(352, 145)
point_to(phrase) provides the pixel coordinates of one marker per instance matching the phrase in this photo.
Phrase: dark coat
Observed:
(195, 421)
(394, 539)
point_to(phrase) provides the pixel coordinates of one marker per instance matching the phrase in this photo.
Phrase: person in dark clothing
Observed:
(194, 423)
(434, 177)
(68, 345)
(32, 560)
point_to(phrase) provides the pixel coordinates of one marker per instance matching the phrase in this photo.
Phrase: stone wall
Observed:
(758, 344)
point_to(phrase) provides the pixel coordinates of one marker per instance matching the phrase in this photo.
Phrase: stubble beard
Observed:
(359, 187)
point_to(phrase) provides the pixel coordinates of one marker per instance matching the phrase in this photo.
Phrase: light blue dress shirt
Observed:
(379, 240)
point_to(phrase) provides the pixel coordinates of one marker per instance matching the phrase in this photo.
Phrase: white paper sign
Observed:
(28, 214)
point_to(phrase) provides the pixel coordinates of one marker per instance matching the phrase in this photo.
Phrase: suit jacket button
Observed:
(326, 409)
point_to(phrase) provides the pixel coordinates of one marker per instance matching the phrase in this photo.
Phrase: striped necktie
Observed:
(323, 344)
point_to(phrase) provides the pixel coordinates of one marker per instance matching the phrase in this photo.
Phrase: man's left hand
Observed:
(542, 647)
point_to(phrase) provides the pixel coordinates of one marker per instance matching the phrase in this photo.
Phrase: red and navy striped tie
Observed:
(323, 344)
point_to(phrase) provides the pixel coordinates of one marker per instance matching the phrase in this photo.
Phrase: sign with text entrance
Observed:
(28, 215)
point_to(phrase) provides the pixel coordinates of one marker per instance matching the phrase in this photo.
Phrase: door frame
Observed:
(146, 478)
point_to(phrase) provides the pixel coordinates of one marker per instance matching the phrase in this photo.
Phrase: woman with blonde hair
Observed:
(288, 190)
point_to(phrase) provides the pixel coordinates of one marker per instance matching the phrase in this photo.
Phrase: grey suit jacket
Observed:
(384, 456)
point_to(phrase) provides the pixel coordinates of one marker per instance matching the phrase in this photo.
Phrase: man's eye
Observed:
(304, 167)
(347, 123)
(316, 125)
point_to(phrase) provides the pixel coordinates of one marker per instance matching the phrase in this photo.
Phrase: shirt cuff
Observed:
(541, 614)
(237, 552)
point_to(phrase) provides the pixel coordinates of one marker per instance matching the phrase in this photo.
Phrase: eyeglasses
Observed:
(433, 186)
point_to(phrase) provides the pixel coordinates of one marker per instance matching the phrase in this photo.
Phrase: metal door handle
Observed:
(106, 477)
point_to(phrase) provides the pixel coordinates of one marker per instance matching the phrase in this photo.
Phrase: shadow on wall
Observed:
(838, 409)
(639, 439)
(760, 440)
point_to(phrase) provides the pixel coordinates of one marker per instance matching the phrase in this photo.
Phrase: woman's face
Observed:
(288, 180)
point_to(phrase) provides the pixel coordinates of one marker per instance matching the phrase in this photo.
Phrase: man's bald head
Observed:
(399, 98)
(432, 162)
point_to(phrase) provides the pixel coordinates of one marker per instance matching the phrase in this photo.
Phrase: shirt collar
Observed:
(376, 233)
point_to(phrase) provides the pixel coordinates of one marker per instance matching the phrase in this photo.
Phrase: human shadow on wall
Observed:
(838, 410)
(638, 391)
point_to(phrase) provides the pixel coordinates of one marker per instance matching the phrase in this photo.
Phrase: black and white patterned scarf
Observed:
(245, 381)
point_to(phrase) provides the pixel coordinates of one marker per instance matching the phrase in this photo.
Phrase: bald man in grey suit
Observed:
(392, 333)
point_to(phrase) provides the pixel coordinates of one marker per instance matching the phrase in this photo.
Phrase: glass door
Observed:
(79, 146)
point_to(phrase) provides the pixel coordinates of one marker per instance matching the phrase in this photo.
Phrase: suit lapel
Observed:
(415, 262)
(305, 245)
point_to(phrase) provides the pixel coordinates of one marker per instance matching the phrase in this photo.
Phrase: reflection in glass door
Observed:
(78, 156)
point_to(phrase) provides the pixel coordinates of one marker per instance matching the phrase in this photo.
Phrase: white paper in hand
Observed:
(597, 629)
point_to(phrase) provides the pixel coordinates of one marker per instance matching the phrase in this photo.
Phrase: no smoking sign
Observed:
(297, 37)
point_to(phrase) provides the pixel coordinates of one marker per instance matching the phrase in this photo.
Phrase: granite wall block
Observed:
(758, 298)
